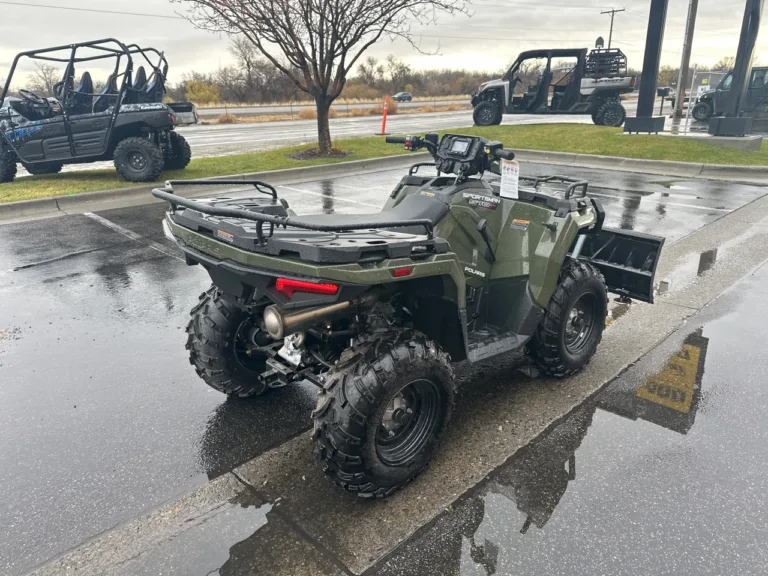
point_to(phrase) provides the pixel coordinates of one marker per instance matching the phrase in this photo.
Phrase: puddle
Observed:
(204, 548)
(621, 477)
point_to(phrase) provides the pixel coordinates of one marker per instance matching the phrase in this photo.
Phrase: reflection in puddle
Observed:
(706, 261)
(328, 204)
(500, 525)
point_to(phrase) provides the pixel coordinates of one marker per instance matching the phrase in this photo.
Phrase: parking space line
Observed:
(301, 190)
(132, 235)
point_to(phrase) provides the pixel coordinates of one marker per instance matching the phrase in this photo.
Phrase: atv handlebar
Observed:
(503, 154)
(395, 140)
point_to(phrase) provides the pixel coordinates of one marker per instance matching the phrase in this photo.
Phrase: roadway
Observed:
(267, 109)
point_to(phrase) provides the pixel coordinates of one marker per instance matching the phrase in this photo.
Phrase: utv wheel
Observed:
(382, 414)
(181, 153)
(52, 168)
(573, 323)
(487, 113)
(138, 160)
(610, 113)
(7, 166)
(702, 112)
(219, 347)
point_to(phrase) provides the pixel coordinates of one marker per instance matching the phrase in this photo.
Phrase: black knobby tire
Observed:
(487, 113)
(49, 168)
(216, 345)
(181, 153)
(566, 340)
(7, 166)
(138, 160)
(610, 113)
(359, 452)
(702, 112)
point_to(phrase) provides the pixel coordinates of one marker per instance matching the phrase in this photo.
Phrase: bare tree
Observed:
(371, 72)
(317, 42)
(399, 72)
(43, 79)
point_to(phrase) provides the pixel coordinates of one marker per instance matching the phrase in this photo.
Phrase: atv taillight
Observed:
(400, 272)
(173, 119)
(288, 287)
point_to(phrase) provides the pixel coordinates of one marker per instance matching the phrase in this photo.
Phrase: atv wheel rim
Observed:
(250, 356)
(137, 161)
(581, 322)
(486, 115)
(409, 421)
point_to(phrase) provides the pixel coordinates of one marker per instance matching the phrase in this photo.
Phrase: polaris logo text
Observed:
(474, 272)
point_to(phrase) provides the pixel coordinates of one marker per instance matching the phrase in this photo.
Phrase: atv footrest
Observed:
(484, 345)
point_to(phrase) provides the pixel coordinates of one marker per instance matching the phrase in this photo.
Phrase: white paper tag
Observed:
(510, 176)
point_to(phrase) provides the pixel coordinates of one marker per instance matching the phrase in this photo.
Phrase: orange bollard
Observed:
(384, 119)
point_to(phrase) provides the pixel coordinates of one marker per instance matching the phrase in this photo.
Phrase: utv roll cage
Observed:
(120, 88)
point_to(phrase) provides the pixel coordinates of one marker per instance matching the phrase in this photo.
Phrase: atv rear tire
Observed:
(573, 323)
(382, 414)
(7, 166)
(216, 342)
(50, 168)
(702, 112)
(487, 113)
(610, 113)
(181, 153)
(138, 160)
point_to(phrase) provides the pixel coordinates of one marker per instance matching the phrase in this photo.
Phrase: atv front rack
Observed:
(167, 194)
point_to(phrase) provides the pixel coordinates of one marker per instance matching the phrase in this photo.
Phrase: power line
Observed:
(613, 13)
(74, 9)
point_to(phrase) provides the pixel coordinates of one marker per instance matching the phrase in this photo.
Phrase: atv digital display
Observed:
(460, 147)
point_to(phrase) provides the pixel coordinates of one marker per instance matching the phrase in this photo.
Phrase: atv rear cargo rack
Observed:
(167, 194)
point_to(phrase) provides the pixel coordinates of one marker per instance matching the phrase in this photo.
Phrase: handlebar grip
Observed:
(395, 140)
(505, 154)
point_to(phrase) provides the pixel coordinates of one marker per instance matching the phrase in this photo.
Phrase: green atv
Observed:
(374, 308)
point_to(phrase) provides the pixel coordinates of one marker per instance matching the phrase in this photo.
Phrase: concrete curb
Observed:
(757, 175)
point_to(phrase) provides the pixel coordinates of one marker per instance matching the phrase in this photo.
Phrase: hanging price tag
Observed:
(510, 176)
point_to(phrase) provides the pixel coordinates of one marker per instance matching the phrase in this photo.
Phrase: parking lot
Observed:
(102, 416)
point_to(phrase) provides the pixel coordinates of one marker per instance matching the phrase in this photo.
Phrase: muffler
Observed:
(280, 324)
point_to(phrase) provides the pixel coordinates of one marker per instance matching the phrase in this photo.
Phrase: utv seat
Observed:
(67, 80)
(135, 92)
(155, 90)
(82, 97)
(108, 96)
(413, 207)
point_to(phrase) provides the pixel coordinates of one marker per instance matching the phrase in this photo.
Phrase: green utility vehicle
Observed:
(374, 308)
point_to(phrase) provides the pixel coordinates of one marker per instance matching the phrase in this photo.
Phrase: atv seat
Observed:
(108, 96)
(82, 97)
(413, 207)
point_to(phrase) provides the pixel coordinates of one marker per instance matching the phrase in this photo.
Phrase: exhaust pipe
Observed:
(279, 324)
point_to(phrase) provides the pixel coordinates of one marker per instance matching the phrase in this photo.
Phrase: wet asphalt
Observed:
(102, 416)
(662, 472)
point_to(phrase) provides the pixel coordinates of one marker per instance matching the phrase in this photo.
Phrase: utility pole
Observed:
(686, 60)
(612, 13)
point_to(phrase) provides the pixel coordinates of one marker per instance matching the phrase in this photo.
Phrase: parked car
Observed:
(402, 97)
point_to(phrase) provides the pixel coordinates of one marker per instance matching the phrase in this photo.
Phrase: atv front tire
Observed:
(49, 168)
(610, 113)
(181, 153)
(382, 413)
(138, 160)
(573, 322)
(487, 113)
(7, 166)
(218, 347)
(702, 112)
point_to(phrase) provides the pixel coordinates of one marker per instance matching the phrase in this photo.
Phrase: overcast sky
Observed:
(488, 39)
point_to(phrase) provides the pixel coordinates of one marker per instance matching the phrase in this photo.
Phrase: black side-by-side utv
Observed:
(126, 122)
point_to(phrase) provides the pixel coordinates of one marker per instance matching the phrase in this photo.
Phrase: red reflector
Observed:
(288, 287)
(400, 272)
